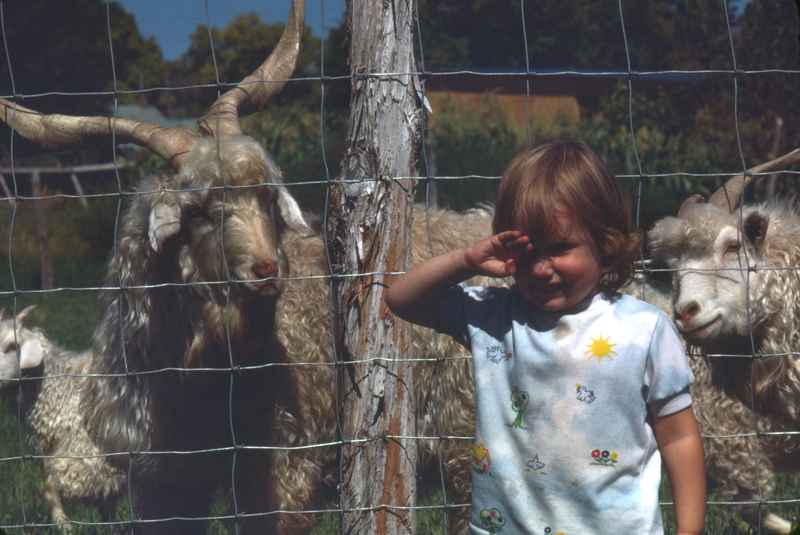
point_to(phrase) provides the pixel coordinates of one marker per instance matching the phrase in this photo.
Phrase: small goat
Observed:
(736, 293)
(53, 410)
(189, 380)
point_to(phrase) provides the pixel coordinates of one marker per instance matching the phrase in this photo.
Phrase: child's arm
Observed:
(682, 450)
(415, 296)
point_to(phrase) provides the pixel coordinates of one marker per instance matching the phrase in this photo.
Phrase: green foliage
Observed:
(291, 134)
(56, 48)
(67, 318)
(723, 519)
(73, 54)
(239, 49)
(482, 33)
(477, 141)
(80, 240)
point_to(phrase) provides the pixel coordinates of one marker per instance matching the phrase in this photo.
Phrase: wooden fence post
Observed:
(370, 234)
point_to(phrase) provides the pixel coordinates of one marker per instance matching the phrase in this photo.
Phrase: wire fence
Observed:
(242, 472)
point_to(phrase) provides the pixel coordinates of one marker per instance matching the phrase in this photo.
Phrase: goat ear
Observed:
(23, 314)
(31, 353)
(291, 213)
(165, 222)
(755, 229)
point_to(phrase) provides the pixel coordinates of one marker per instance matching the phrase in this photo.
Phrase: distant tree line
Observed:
(680, 130)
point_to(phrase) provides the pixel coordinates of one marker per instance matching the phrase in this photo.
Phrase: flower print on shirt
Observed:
(492, 520)
(584, 394)
(497, 355)
(535, 466)
(549, 531)
(519, 400)
(604, 458)
(600, 348)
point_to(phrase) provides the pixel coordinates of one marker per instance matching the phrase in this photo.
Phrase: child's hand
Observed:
(497, 256)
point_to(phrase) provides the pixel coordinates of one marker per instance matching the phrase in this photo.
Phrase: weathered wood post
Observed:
(369, 234)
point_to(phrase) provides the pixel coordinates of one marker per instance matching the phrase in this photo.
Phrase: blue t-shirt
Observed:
(564, 441)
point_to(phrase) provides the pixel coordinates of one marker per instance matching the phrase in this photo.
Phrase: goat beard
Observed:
(239, 326)
(754, 382)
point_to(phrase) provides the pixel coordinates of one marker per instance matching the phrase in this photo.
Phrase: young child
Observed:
(581, 391)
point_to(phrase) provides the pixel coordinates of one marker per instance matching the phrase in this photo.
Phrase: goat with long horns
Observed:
(191, 392)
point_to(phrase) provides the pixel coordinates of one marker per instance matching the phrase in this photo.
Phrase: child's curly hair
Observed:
(555, 176)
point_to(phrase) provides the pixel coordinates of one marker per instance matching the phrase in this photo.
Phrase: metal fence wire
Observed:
(27, 508)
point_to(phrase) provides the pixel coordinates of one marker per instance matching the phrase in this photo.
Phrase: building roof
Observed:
(576, 82)
(150, 114)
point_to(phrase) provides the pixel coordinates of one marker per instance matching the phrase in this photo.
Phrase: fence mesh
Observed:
(305, 432)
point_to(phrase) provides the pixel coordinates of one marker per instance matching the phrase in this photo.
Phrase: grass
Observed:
(21, 484)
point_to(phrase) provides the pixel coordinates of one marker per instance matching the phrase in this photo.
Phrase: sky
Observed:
(172, 21)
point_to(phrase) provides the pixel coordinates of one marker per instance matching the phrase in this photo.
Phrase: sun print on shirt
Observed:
(600, 348)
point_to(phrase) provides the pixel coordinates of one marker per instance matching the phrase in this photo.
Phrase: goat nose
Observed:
(263, 269)
(688, 311)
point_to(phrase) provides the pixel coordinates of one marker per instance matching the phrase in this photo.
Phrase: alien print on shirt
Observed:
(519, 400)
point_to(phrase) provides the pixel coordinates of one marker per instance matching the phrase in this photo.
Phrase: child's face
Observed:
(561, 272)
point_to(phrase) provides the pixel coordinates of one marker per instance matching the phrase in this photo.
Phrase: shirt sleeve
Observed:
(466, 309)
(668, 375)
(453, 313)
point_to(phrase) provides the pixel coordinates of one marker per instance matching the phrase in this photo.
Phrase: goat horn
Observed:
(55, 131)
(727, 197)
(692, 199)
(253, 93)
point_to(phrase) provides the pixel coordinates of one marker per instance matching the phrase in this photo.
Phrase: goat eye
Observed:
(733, 248)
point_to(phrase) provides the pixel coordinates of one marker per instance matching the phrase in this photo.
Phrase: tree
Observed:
(370, 210)
(238, 49)
(71, 54)
(681, 129)
(581, 34)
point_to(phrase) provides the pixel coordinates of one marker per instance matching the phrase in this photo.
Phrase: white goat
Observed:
(736, 293)
(185, 350)
(53, 410)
